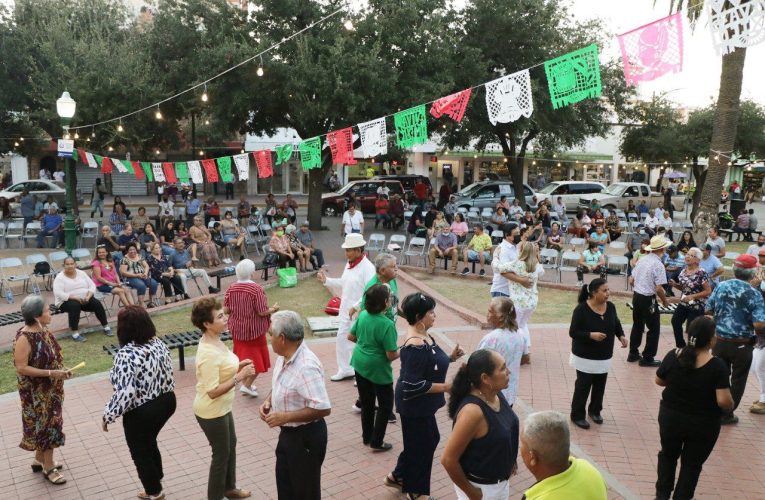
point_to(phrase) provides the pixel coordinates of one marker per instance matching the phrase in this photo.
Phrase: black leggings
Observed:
(592, 385)
(73, 307)
(374, 423)
(683, 314)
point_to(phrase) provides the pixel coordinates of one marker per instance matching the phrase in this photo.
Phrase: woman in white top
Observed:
(74, 292)
(353, 220)
(523, 289)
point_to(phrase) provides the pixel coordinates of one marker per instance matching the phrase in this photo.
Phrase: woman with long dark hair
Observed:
(481, 453)
(697, 392)
(686, 242)
(419, 394)
(594, 326)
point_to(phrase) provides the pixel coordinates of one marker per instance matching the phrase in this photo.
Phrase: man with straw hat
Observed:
(349, 287)
(648, 280)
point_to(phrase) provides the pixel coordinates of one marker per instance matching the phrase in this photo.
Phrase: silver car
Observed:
(42, 188)
(487, 194)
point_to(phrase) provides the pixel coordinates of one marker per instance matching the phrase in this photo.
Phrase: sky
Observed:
(699, 81)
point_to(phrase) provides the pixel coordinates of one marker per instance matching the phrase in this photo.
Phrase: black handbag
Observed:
(271, 259)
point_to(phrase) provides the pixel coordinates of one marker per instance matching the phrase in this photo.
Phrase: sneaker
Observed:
(579, 284)
(482, 273)
(108, 331)
(356, 408)
(78, 338)
(465, 271)
(212, 289)
(252, 391)
(758, 408)
(728, 419)
(227, 261)
(392, 418)
(337, 377)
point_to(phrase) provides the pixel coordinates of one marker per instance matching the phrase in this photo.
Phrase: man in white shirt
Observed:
(58, 175)
(506, 252)
(44, 174)
(349, 287)
(652, 222)
(353, 221)
(383, 189)
(755, 248)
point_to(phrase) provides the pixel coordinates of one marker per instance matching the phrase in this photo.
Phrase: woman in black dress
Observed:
(419, 394)
(697, 392)
(594, 326)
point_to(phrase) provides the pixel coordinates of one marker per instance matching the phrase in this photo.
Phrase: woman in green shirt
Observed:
(376, 346)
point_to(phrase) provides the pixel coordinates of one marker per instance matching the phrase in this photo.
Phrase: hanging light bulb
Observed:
(16, 144)
(260, 68)
(348, 24)
(156, 152)
(559, 164)
(87, 140)
(93, 132)
(76, 136)
(204, 94)
(21, 139)
(534, 162)
(66, 136)
(111, 149)
(207, 122)
(201, 153)
(158, 114)
(119, 127)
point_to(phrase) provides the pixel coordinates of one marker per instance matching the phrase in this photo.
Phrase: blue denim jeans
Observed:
(141, 284)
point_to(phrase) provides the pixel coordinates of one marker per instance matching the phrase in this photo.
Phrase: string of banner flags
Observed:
(648, 52)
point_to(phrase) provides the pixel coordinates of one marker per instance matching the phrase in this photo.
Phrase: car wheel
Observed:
(330, 211)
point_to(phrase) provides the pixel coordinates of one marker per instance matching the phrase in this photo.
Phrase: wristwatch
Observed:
(236, 382)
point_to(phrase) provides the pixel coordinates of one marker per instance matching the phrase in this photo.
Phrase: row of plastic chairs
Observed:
(13, 270)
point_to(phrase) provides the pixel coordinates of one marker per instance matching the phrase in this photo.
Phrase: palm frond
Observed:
(693, 9)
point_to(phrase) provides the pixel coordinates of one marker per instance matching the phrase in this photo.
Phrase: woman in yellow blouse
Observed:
(218, 372)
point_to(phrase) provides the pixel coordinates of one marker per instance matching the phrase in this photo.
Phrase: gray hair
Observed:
(547, 434)
(244, 269)
(289, 324)
(696, 253)
(743, 274)
(383, 260)
(32, 308)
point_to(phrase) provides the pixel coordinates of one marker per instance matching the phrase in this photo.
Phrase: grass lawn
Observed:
(308, 299)
(555, 306)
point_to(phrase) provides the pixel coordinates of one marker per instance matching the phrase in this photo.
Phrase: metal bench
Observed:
(178, 341)
(15, 317)
(220, 274)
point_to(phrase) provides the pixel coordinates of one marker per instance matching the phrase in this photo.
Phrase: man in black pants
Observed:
(297, 404)
(739, 311)
(648, 280)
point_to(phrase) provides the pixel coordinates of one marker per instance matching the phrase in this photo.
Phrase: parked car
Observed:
(618, 195)
(408, 181)
(333, 204)
(40, 187)
(488, 193)
(570, 191)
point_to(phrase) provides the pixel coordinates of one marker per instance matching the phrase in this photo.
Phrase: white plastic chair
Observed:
(90, 230)
(549, 258)
(619, 262)
(416, 248)
(45, 278)
(83, 257)
(12, 271)
(568, 263)
(578, 243)
(616, 248)
(54, 258)
(376, 242)
(30, 233)
(497, 236)
(396, 240)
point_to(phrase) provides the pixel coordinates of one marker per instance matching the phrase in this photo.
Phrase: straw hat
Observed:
(657, 243)
(353, 240)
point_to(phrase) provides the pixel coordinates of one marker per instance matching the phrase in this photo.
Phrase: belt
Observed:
(300, 428)
(737, 340)
(483, 480)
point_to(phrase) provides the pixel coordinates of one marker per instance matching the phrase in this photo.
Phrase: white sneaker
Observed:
(356, 408)
(227, 261)
(337, 377)
(252, 391)
(579, 284)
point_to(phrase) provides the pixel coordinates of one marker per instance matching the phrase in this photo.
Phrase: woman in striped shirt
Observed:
(249, 318)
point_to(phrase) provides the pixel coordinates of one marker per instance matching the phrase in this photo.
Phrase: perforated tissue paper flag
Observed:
(574, 77)
(411, 126)
(224, 167)
(265, 162)
(242, 162)
(508, 98)
(653, 50)
(169, 169)
(182, 172)
(195, 170)
(452, 105)
(310, 153)
(156, 169)
(138, 170)
(283, 154)
(341, 146)
(118, 164)
(740, 25)
(374, 138)
(106, 165)
(147, 169)
(91, 160)
(211, 170)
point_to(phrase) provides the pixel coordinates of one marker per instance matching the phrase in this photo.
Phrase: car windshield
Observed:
(468, 190)
(345, 188)
(615, 189)
(549, 188)
(17, 188)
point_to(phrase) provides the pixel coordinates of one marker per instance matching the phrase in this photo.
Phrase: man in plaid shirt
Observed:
(297, 404)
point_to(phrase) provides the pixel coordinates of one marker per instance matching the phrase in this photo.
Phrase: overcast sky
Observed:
(700, 79)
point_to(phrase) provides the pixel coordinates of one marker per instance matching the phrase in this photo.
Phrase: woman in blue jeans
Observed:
(136, 271)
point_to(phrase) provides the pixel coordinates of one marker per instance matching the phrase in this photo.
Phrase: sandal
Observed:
(54, 476)
(392, 482)
(38, 466)
(238, 493)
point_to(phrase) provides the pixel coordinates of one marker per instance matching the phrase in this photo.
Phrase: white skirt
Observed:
(594, 366)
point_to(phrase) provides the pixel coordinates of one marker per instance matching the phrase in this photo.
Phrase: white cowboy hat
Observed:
(353, 240)
(657, 243)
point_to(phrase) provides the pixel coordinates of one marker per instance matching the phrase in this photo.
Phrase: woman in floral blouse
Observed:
(693, 282)
(143, 382)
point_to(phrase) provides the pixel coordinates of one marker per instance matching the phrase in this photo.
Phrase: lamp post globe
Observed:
(65, 107)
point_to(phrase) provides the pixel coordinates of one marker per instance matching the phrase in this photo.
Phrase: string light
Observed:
(66, 136)
(87, 140)
(207, 122)
(76, 136)
(204, 94)
(22, 139)
(156, 152)
(260, 68)
(348, 24)
(119, 127)
(158, 114)
(558, 162)
(111, 149)
(201, 153)
(16, 144)
(93, 132)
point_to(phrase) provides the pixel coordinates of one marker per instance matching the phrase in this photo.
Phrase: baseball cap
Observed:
(746, 261)
(707, 247)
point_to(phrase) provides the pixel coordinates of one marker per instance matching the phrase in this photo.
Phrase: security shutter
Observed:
(126, 184)
(86, 177)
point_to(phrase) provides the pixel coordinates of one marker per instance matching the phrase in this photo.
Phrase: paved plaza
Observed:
(624, 448)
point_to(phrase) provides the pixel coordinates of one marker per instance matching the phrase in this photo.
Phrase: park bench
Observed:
(178, 341)
(729, 234)
(16, 317)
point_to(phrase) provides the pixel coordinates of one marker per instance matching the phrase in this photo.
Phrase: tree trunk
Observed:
(700, 174)
(315, 189)
(723, 138)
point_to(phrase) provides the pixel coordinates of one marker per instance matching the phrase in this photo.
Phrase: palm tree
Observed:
(725, 123)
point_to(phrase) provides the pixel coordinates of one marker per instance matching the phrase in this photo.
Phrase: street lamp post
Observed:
(65, 106)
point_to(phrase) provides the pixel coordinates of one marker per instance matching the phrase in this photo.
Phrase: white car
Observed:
(40, 187)
(570, 191)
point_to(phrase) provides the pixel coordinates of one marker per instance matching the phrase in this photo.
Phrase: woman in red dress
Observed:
(249, 318)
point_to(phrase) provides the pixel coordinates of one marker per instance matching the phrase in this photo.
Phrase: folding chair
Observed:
(620, 263)
(2, 235)
(90, 230)
(46, 278)
(396, 240)
(408, 215)
(549, 258)
(376, 242)
(8, 277)
(30, 233)
(82, 257)
(416, 248)
(54, 258)
(578, 244)
(568, 263)
(616, 248)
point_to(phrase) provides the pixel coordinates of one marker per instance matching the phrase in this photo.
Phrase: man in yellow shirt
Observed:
(477, 250)
(545, 451)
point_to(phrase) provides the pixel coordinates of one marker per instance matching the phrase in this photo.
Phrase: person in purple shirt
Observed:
(444, 245)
